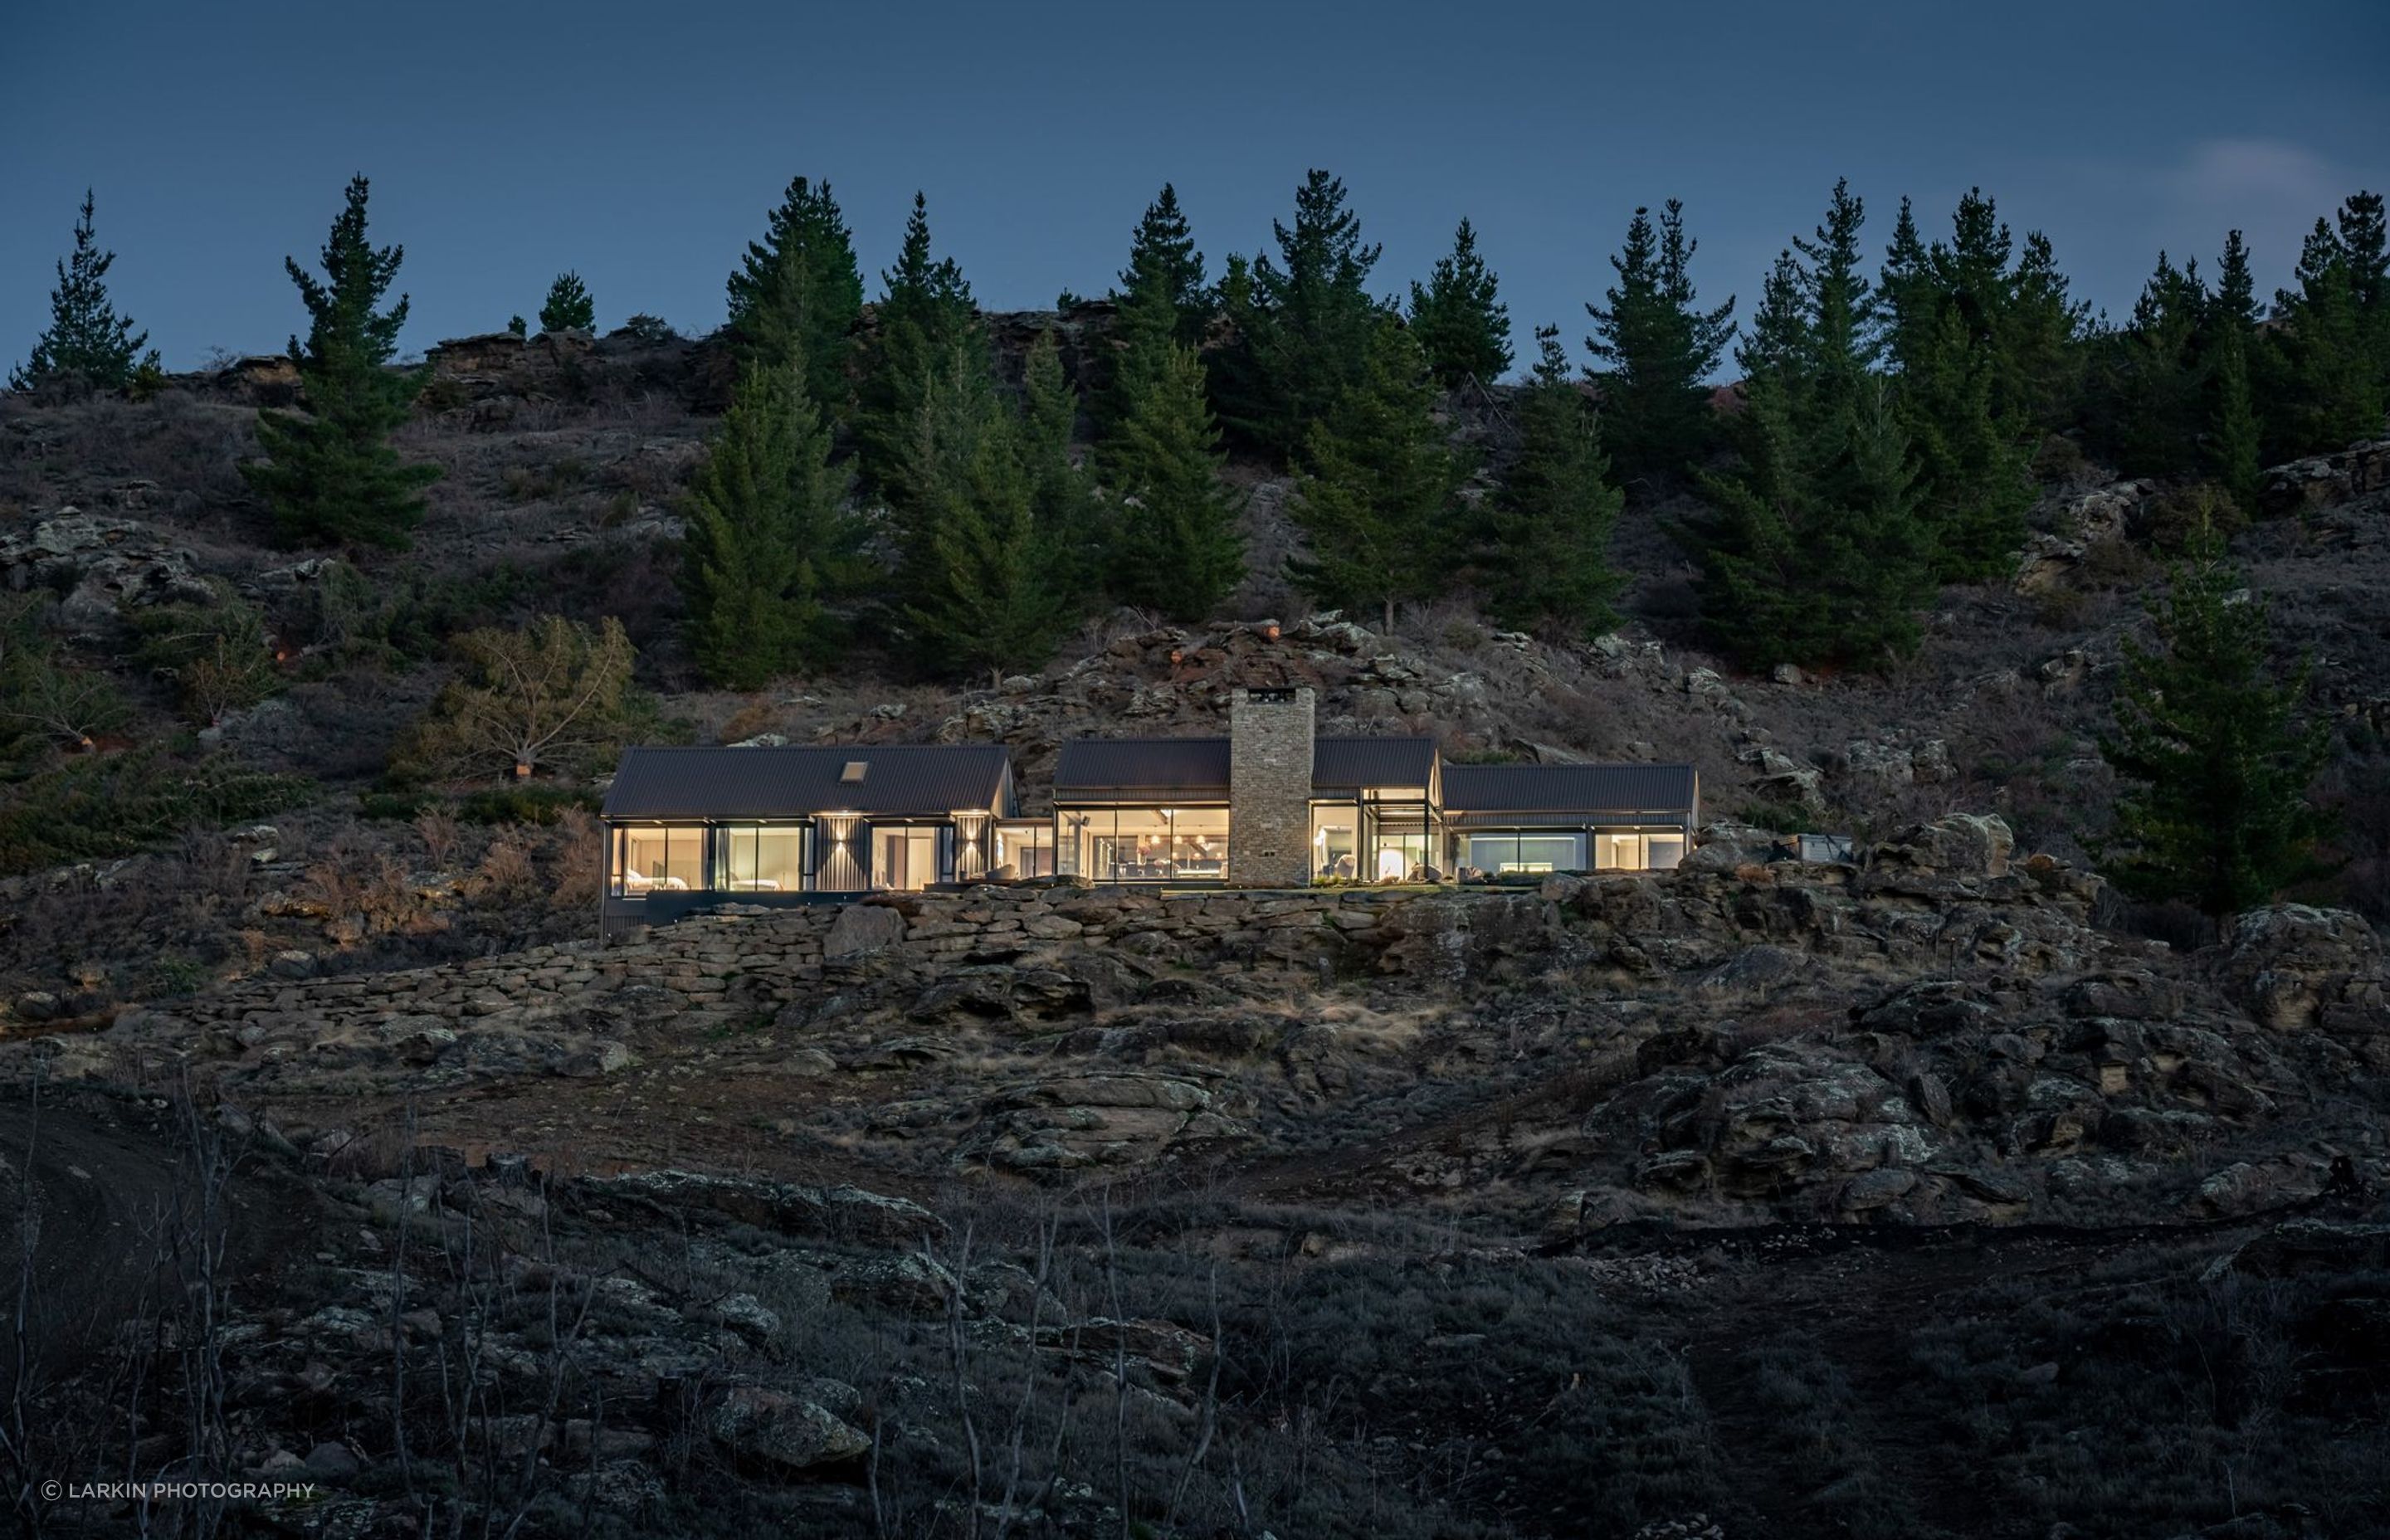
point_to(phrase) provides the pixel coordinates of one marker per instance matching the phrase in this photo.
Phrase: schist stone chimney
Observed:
(1269, 787)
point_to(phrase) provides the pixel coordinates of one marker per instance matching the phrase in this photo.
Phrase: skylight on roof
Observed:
(853, 773)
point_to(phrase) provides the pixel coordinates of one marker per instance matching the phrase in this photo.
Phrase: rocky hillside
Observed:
(1938, 1193)
(1527, 1213)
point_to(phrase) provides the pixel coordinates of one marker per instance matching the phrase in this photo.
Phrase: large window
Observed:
(1022, 851)
(1637, 850)
(660, 860)
(904, 857)
(759, 859)
(1144, 845)
(1500, 854)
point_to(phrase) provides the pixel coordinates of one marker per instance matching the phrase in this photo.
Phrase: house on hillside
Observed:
(1270, 805)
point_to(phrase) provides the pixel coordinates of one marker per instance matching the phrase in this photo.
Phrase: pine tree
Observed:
(770, 546)
(925, 318)
(1061, 490)
(1461, 326)
(2216, 751)
(568, 306)
(1660, 348)
(1166, 268)
(332, 474)
(88, 345)
(2336, 333)
(2040, 352)
(1305, 325)
(798, 293)
(2233, 452)
(2155, 378)
(1546, 551)
(1378, 485)
(1175, 547)
(981, 592)
(1946, 309)
(1814, 552)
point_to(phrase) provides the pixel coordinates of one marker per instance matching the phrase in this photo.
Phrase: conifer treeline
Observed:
(877, 478)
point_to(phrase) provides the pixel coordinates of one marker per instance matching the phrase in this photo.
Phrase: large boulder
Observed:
(2094, 518)
(2297, 967)
(782, 1430)
(101, 565)
(2327, 480)
(1961, 845)
(863, 928)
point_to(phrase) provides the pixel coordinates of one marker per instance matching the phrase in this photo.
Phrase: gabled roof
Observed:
(1570, 789)
(1105, 769)
(1119, 769)
(1351, 764)
(910, 780)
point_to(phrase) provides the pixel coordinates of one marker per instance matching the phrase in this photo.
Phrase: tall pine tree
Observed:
(925, 320)
(1175, 544)
(2335, 333)
(1166, 268)
(798, 293)
(979, 590)
(1061, 489)
(1305, 325)
(332, 474)
(1945, 310)
(88, 345)
(2233, 451)
(1546, 555)
(770, 544)
(2154, 385)
(1814, 552)
(1461, 325)
(1162, 301)
(2218, 755)
(1377, 498)
(1658, 348)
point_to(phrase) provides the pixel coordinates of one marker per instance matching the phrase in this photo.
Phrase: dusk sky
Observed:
(642, 144)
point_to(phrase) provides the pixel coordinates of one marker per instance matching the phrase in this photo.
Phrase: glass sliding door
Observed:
(1023, 851)
(1335, 841)
(904, 858)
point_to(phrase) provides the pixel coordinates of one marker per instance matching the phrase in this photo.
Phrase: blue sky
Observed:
(642, 144)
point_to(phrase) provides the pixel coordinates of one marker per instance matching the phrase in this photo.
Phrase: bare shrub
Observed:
(438, 828)
(505, 872)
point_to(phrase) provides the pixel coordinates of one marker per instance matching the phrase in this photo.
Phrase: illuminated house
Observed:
(1270, 806)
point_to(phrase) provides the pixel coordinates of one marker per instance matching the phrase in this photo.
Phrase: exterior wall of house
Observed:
(1269, 786)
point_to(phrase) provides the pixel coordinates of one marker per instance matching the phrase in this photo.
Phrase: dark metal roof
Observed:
(1570, 789)
(1111, 769)
(1104, 768)
(915, 780)
(1350, 764)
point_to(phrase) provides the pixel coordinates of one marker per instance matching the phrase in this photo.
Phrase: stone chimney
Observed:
(1269, 787)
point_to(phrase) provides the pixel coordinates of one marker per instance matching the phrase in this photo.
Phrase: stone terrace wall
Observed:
(768, 957)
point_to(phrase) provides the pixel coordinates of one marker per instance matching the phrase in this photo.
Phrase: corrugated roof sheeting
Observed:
(1351, 764)
(1102, 769)
(1496, 788)
(898, 779)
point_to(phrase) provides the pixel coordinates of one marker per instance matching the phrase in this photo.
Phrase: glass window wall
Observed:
(660, 860)
(1144, 845)
(904, 859)
(1503, 855)
(1023, 851)
(759, 858)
